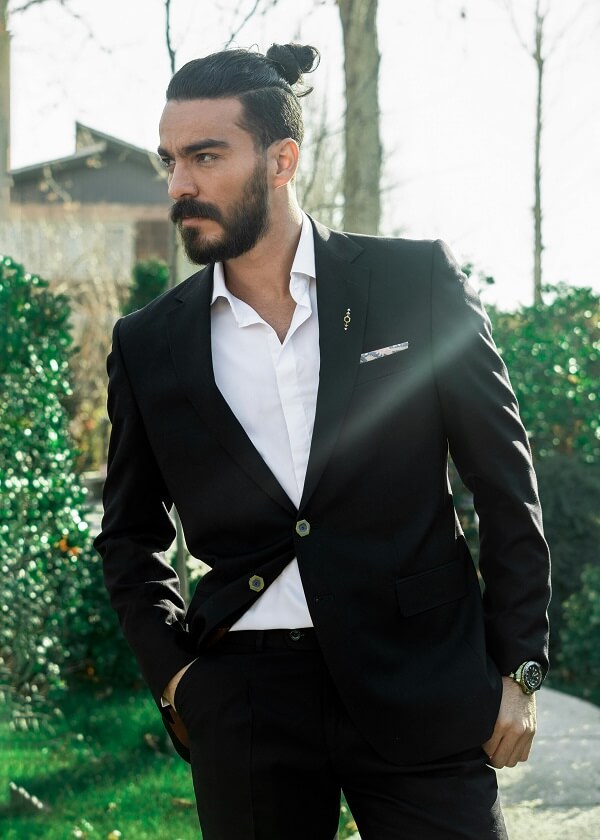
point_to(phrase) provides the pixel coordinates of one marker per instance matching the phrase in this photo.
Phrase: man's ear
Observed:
(284, 155)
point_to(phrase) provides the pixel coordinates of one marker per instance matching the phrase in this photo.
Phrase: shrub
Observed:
(43, 537)
(570, 495)
(552, 352)
(48, 566)
(150, 279)
(579, 657)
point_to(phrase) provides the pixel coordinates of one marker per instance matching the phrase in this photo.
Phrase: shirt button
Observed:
(256, 583)
(303, 528)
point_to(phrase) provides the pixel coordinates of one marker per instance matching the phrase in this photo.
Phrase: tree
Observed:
(5, 180)
(181, 553)
(362, 172)
(319, 180)
(361, 198)
(540, 52)
(539, 58)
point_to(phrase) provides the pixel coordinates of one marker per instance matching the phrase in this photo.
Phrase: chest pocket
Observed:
(385, 365)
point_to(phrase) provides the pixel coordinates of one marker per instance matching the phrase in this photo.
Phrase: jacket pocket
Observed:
(433, 588)
(384, 366)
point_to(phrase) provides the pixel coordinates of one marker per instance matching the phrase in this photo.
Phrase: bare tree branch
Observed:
(321, 136)
(254, 9)
(25, 6)
(237, 31)
(567, 27)
(75, 15)
(507, 4)
(170, 50)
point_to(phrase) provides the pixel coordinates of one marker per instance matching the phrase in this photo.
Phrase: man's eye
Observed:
(205, 157)
(166, 162)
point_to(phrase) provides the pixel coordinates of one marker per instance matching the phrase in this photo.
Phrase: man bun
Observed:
(269, 87)
(293, 60)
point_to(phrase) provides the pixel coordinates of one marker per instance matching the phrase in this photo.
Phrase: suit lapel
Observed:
(189, 340)
(342, 292)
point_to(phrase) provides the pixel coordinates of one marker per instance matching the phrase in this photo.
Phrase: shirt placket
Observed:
(289, 386)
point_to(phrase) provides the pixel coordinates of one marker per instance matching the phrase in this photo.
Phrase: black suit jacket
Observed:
(414, 650)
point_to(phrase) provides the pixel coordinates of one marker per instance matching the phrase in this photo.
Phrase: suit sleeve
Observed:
(491, 451)
(136, 531)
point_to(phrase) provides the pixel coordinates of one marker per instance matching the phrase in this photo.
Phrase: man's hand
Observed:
(515, 727)
(169, 692)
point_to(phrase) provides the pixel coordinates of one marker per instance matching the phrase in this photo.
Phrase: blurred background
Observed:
(475, 121)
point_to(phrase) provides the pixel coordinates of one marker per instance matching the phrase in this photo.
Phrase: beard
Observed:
(243, 226)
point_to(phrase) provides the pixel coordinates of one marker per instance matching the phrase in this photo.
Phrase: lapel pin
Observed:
(347, 319)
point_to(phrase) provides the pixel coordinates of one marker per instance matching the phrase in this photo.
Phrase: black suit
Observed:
(385, 564)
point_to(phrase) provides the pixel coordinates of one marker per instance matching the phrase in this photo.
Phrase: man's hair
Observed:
(264, 84)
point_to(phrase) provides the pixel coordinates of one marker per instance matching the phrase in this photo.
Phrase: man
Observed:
(295, 400)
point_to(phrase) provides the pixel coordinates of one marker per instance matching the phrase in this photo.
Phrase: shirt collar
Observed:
(303, 270)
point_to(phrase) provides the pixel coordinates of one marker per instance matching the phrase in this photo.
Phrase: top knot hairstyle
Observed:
(264, 84)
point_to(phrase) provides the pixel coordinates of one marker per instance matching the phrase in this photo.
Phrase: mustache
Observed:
(188, 208)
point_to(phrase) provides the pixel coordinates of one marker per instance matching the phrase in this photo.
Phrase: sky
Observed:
(457, 96)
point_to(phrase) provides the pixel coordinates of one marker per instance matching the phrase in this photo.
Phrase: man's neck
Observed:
(261, 278)
(263, 274)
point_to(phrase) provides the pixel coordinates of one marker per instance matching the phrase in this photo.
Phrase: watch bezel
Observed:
(532, 676)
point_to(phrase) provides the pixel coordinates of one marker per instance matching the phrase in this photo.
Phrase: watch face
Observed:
(532, 676)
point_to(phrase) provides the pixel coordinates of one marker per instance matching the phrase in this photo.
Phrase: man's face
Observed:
(216, 178)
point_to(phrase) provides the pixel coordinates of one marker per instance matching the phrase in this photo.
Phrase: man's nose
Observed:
(181, 184)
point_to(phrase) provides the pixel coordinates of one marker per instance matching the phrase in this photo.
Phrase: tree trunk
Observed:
(5, 180)
(538, 246)
(181, 554)
(362, 205)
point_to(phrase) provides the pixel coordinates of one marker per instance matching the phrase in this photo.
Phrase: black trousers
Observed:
(272, 747)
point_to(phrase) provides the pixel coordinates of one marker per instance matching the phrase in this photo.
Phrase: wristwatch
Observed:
(529, 676)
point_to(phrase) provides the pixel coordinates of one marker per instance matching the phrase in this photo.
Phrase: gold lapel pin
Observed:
(347, 319)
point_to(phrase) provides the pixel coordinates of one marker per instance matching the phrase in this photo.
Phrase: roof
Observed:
(77, 156)
(88, 142)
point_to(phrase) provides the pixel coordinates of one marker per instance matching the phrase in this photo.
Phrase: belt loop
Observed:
(260, 639)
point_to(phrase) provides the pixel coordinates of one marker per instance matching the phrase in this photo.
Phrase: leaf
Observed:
(180, 802)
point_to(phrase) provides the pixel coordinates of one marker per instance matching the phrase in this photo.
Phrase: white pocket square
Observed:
(371, 355)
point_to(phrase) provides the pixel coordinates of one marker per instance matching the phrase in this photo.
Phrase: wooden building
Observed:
(104, 207)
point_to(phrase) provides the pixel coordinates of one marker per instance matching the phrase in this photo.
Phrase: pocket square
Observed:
(371, 355)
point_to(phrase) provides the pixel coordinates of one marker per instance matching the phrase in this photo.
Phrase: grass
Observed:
(105, 773)
(104, 769)
(98, 775)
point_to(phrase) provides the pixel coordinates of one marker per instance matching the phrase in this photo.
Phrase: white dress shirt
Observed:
(271, 387)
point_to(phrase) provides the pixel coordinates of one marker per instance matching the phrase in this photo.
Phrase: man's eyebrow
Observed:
(200, 146)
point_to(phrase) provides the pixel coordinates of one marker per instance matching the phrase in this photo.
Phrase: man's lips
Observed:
(190, 221)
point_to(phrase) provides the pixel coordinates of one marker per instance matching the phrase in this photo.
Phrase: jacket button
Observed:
(303, 528)
(256, 583)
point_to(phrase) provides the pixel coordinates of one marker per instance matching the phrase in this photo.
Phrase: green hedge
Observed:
(54, 608)
(570, 495)
(579, 657)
